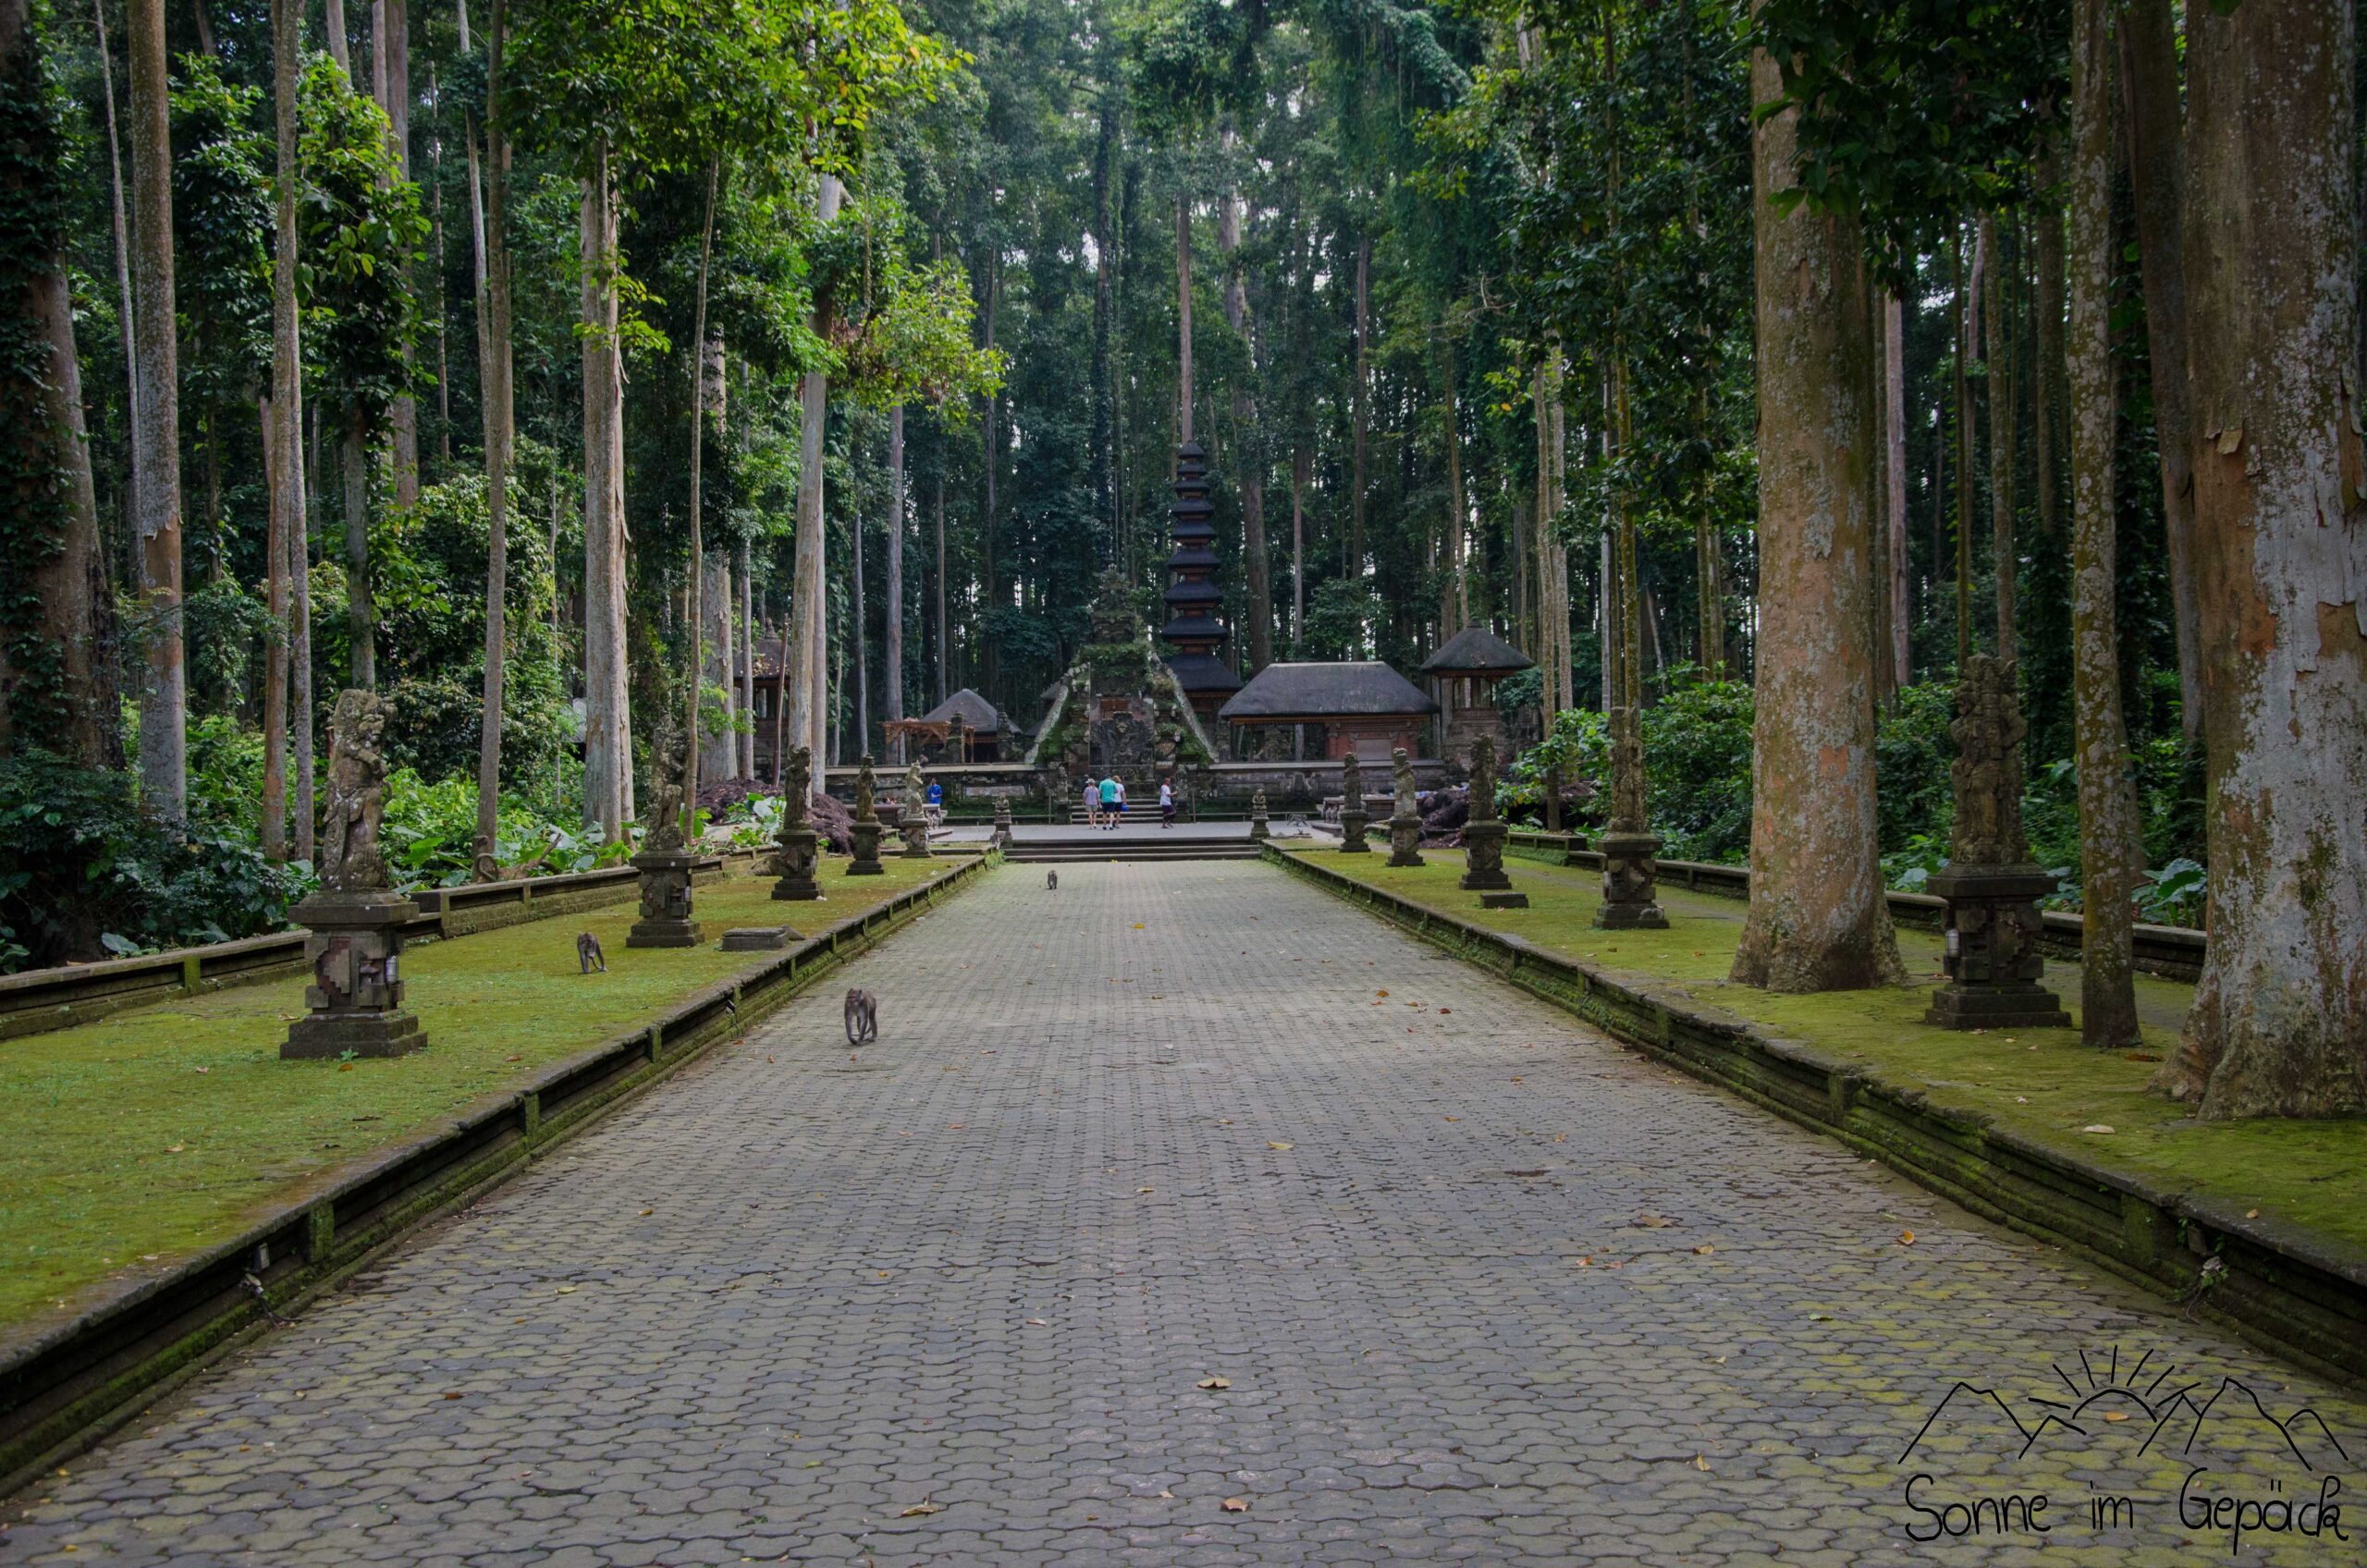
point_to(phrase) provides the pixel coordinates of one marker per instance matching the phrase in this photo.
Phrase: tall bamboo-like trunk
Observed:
(893, 677)
(2046, 380)
(2000, 353)
(1819, 919)
(745, 627)
(944, 642)
(1455, 589)
(1257, 570)
(858, 618)
(1302, 465)
(2149, 90)
(361, 613)
(156, 438)
(2279, 1022)
(300, 647)
(710, 586)
(283, 416)
(1553, 650)
(990, 457)
(1183, 320)
(339, 49)
(390, 52)
(1968, 329)
(496, 400)
(1361, 414)
(2112, 852)
(607, 745)
(1899, 654)
(805, 674)
(50, 670)
(122, 224)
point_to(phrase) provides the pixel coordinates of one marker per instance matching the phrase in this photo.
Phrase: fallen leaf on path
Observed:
(1138, 924)
(1704, 1250)
(1236, 1505)
(568, 1290)
(205, 1069)
(1651, 1222)
(451, 1396)
(1906, 1238)
(1140, 1192)
(2252, 1214)
(646, 1212)
(2096, 1127)
(1213, 1383)
(174, 1148)
(1451, 1118)
(1037, 1323)
(1275, 1145)
(2116, 1415)
(1699, 1463)
(920, 1508)
(1445, 1010)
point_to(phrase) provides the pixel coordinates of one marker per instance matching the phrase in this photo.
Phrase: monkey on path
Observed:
(587, 954)
(863, 1017)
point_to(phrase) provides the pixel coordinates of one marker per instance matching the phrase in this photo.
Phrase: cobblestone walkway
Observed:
(1186, 1216)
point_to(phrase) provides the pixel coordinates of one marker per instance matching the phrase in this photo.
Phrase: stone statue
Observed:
(1483, 834)
(667, 757)
(352, 858)
(797, 848)
(1352, 806)
(916, 787)
(863, 833)
(1400, 783)
(797, 797)
(1259, 830)
(1405, 819)
(1989, 729)
(866, 789)
(1483, 778)
(486, 865)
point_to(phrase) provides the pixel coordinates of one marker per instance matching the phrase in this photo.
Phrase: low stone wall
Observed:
(2174, 952)
(66, 1388)
(2302, 1294)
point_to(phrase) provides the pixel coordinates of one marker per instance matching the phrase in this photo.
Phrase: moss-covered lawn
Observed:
(2040, 1081)
(133, 1141)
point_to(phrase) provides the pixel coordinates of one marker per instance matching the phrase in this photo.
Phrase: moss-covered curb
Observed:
(2296, 1291)
(69, 1387)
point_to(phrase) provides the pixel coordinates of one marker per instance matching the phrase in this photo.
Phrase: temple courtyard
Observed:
(1187, 1215)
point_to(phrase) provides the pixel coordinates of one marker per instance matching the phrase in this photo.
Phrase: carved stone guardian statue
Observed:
(354, 940)
(1483, 832)
(1991, 955)
(1258, 830)
(912, 818)
(1002, 836)
(863, 831)
(1405, 817)
(1630, 849)
(1352, 807)
(796, 846)
(663, 862)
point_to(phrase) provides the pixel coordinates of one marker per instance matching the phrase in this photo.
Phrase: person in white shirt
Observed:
(1092, 804)
(1166, 804)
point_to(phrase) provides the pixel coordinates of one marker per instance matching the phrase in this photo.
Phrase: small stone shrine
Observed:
(1483, 832)
(912, 816)
(1352, 807)
(1405, 815)
(664, 863)
(353, 938)
(1991, 888)
(797, 848)
(1630, 849)
(864, 832)
(1003, 821)
(1259, 832)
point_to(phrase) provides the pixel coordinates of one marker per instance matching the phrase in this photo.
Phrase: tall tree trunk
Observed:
(1255, 569)
(360, 613)
(805, 673)
(1361, 395)
(894, 707)
(608, 730)
(990, 456)
(2046, 380)
(339, 49)
(1967, 327)
(1819, 919)
(1302, 463)
(50, 668)
(157, 439)
(2279, 1022)
(300, 644)
(499, 419)
(2000, 379)
(283, 413)
(390, 54)
(1456, 595)
(2111, 849)
(2149, 90)
(122, 227)
(858, 618)
(1554, 651)
(1183, 320)
(708, 599)
(745, 687)
(944, 640)
(1898, 653)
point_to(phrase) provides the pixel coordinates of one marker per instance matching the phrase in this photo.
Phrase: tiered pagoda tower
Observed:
(1192, 628)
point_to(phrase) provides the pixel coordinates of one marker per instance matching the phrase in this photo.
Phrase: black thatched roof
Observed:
(978, 714)
(1474, 650)
(1196, 672)
(1315, 693)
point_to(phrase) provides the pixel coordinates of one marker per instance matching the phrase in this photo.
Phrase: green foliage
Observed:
(1341, 615)
(431, 835)
(1696, 741)
(363, 228)
(1915, 794)
(84, 875)
(223, 225)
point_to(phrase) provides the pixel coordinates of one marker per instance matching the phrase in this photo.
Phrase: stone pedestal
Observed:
(665, 900)
(354, 944)
(915, 832)
(1992, 961)
(864, 838)
(1406, 842)
(799, 850)
(1483, 856)
(1259, 832)
(1630, 883)
(1002, 823)
(1351, 832)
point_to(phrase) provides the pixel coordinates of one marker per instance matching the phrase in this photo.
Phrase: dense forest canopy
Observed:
(564, 360)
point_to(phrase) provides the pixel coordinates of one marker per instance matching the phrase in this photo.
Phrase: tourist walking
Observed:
(1121, 803)
(1110, 803)
(1166, 804)
(1092, 803)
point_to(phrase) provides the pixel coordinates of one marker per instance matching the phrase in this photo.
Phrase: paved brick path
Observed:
(1485, 1287)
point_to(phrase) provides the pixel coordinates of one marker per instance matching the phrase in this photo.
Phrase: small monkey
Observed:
(1051, 879)
(588, 956)
(863, 1017)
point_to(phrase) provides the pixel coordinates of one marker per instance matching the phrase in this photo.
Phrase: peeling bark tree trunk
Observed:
(284, 417)
(1255, 569)
(801, 656)
(1360, 394)
(1183, 320)
(1559, 690)
(391, 51)
(1899, 621)
(608, 746)
(2047, 402)
(360, 614)
(710, 616)
(499, 415)
(339, 50)
(1818, 920)
(2149, 86)
(156, 438)
(944, 642)
(1999, 349)
(745, 688)
(2111, 850)
(894, 675)
(2279, 1022)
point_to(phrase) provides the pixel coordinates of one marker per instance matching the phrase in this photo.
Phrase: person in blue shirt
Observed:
(1110, 803)
(936, 793)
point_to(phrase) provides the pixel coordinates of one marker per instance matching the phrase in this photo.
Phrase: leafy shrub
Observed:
(84, 875)
(1914, 793)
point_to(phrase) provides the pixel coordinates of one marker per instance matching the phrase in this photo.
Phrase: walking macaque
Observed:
(1051, 879)
(588, 956)
(863, 1017)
